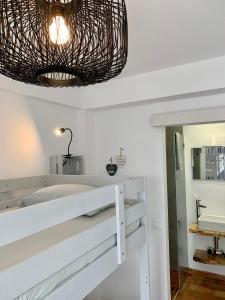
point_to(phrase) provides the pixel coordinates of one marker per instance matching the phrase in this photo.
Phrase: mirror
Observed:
(208, 163)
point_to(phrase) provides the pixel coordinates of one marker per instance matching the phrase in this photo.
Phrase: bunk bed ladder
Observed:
(120, 223)
(144, 253)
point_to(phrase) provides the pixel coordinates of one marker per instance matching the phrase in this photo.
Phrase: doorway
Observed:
(204, 285)
(196, 186)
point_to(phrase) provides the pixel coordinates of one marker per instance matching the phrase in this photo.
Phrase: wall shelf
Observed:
(195, 229)
(201, 256)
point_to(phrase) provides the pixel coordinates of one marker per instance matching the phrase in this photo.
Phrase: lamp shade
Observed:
(63, 42)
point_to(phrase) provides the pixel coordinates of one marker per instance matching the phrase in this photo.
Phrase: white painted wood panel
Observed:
(21, 183)
(61, 254)
(120, 224)
(85, 281)
(132, 185)
(144, 265)
(23, 222)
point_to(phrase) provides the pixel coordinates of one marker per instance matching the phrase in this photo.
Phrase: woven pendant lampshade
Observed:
(63, 42)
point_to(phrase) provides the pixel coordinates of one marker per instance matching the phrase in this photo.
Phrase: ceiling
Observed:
(162, 34)
(165, 33)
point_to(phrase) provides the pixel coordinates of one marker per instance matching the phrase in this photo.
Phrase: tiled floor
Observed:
(198, 287)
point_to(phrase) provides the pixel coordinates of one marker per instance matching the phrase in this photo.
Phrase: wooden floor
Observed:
(174, 282)
(203, 286)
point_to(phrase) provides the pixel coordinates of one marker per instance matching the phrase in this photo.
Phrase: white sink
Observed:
(212, 222)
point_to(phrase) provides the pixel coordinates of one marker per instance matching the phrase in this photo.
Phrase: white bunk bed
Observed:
(53, 251)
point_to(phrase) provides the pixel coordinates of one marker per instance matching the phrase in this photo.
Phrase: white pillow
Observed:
(55, 192)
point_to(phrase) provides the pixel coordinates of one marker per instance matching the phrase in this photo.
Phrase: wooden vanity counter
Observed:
(201, 256)
(195, 229)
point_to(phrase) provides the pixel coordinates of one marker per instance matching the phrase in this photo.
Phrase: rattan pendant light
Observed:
(63, 42)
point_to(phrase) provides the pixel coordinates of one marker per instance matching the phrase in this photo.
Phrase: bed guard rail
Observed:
(20, 223)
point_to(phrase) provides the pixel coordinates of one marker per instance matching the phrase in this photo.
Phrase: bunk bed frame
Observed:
(21, 223)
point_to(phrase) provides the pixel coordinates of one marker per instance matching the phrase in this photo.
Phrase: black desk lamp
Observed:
(61, 131)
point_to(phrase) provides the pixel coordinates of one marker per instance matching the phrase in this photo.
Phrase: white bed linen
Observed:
(53, 192)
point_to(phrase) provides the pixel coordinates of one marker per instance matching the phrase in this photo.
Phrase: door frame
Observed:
(163, 120)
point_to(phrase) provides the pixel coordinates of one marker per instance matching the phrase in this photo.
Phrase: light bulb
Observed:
(58, 31)
(59, 131)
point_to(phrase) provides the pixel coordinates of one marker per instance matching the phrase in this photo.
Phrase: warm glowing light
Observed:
(58, 132)
(58, 31)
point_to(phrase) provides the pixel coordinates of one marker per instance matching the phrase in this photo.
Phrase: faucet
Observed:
(198, 207)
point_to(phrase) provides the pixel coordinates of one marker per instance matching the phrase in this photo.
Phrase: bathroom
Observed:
(196, 189)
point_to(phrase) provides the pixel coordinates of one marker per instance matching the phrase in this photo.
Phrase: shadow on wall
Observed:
(21, 151)
(47, 117)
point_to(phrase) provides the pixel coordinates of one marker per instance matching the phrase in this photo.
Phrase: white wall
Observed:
(211, 193)
(27, 141)
(26, 134)
(144, 147)
(130, 129)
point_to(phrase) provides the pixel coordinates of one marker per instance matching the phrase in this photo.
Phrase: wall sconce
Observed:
(61, 131)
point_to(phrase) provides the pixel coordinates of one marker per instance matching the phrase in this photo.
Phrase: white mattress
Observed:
(22, 250)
